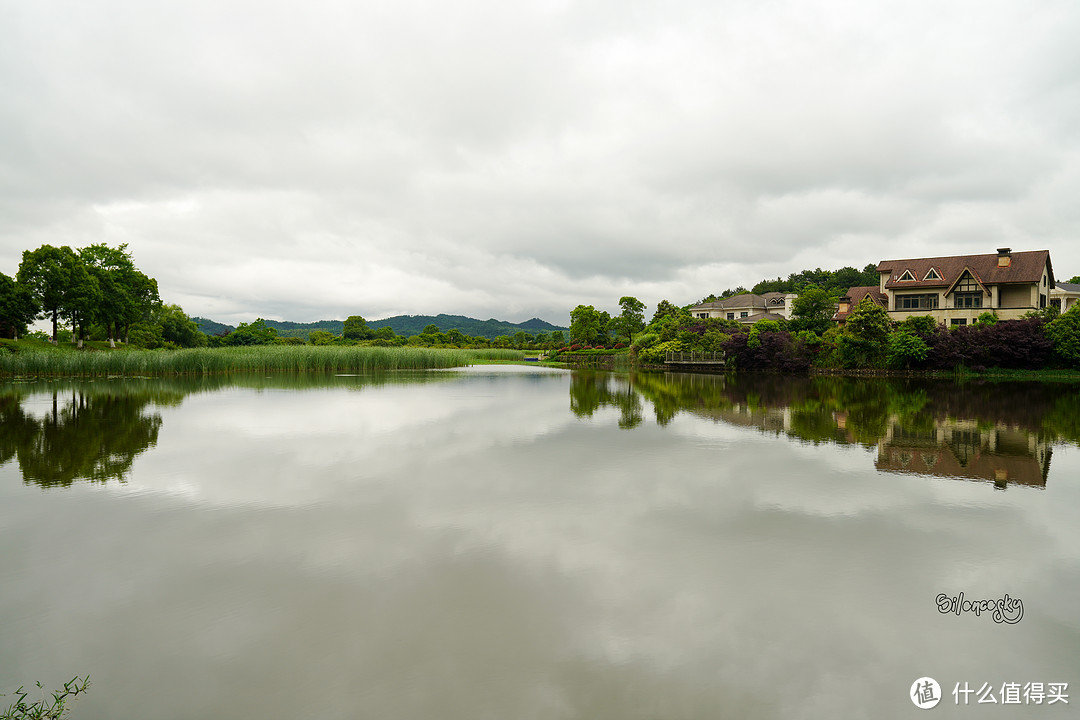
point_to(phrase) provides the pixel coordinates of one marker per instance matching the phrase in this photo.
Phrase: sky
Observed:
(319, 159)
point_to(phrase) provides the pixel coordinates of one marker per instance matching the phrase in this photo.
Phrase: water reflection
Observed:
(82, 434)
(66, 431)
(989, 431)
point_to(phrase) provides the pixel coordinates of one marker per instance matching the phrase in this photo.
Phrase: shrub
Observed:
(645, 340)
(1064, 332)
(921, 325)
(906, 349)
(656, 354)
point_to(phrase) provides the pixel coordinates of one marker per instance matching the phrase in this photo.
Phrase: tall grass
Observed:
(265, 358)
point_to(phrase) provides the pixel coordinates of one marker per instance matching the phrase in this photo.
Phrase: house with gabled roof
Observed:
(748, 308)
(956, 290)
(856, 295)
(1064, 296)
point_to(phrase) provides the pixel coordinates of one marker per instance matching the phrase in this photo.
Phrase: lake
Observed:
(518, 542)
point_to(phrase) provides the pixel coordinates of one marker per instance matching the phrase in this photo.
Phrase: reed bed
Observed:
(264, 358)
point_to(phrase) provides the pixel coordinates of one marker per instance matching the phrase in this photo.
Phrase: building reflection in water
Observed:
(964, 449)
(999, 433)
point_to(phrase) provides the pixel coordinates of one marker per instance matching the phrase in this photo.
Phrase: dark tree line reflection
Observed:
(1000, 432)
(64, 432)
(81, 435)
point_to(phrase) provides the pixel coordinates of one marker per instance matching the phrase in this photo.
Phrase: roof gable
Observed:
(1025, 267)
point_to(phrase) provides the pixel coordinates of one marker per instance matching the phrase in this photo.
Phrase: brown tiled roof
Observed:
(856, 295)
(1025, 267)
(743, 300)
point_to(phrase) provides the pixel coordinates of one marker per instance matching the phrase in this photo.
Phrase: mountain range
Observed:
(405, 325)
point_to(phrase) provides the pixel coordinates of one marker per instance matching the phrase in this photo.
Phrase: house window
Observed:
(968, 299)
(957, 322)
(1042, 300)
(906, 277)
(703, 315)
(967, 283)
(931, 274)
(926, 301)
(731, 316)
(743, 314)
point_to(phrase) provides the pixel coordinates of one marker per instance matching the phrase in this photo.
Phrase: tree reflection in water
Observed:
(1000, 432)
(85, 435)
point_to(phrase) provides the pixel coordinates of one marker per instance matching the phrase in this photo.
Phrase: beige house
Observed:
(1064, 296)
(956, 290)
(748, 308)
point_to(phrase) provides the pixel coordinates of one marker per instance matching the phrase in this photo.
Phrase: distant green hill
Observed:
(405, 325)
(212, 328)
(491, 328)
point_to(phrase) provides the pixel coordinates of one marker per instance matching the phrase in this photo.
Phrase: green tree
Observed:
(665, 309)
(48, 273)
(256, 333)
(585, 324)
(430, 329)
(906, 348)
(1064, 332)
(177, 328)
(320, 337)
(17, 307)
(864, 338)
(812, 310)
(1074, 279)
(632, 318)
(385, 333)
(356, 328)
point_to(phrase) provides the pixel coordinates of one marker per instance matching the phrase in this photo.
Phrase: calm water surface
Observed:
(513, 543)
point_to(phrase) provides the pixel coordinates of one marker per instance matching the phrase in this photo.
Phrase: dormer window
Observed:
(932, 275)
(967, 293)
(906, 277)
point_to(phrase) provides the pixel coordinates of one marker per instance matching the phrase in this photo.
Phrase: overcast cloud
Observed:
(315, 160)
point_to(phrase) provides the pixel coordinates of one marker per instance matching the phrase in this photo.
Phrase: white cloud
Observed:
(316, 160)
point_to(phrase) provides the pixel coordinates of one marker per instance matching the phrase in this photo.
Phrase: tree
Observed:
(666, 309)
(430, 329)
(864, 338)
(177, 327)
(356, 328)
(1074, 279)
(585, 324)
(1064, 332)
(256, 333)
(385, 333)
(812, 310)
(125, 295)
(17, 307)
(632, 319)
(48, 273)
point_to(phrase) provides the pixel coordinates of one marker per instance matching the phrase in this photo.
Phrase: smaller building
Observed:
(856, 295)
(748, 308)
(1064, 295)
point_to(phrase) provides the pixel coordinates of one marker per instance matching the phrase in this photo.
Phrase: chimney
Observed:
(1004, 257)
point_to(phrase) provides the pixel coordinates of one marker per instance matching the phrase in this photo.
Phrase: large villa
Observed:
(955, 290)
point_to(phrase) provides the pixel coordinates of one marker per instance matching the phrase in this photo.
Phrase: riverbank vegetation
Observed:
(46, 708)
(39, 362)
(870, 340)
